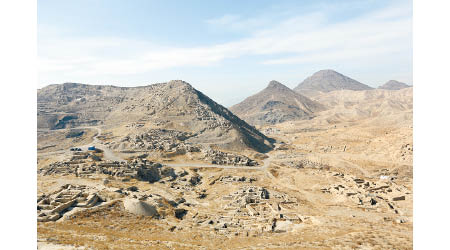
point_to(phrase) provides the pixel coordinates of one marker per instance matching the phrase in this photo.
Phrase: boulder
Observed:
(138, 207)
(149, 173)
(401, 220)
(195, 180)
(132, 189)
(182, 173)
(168, 172)
(172, 203)
(265, 194)
(180, 200)
(180, 213)
(400, 198)
(359, 181)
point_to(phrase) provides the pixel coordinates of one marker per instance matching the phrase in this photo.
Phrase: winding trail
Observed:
(107, 153)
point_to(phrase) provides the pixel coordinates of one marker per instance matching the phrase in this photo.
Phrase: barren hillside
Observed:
(275, 104)
(174, 105)
(329, 80)
(394, 85)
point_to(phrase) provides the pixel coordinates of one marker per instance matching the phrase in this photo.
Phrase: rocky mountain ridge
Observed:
(172, 105)
(275, 104)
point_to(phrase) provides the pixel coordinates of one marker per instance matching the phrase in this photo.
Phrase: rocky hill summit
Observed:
(275, 104)
(394, 85)
(329, 80)
(173, 105)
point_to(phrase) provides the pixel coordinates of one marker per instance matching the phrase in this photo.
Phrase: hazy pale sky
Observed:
(226, 49)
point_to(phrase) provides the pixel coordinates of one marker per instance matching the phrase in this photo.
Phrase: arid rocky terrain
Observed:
(174, 105)
(276, 104)
(165, 167)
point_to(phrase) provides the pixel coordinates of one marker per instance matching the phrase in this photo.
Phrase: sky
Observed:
(229, 50)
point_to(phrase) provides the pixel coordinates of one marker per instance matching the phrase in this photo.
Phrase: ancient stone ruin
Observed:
(164, 140)
(140, 169)
(380, 194)
(305, 163)
(222, 158)
(51, 207)
(253, 209)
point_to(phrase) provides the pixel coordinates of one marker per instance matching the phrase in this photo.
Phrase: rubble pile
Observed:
(185, 182)
(211, 119)
(173, 142)
(406, 151)
(290, 156)
(271, 131)
(230, 179)
(305, 163)
(158, 140)
(222, 158)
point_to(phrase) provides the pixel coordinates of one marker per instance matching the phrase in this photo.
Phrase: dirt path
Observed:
(107, 154)
(84, 147)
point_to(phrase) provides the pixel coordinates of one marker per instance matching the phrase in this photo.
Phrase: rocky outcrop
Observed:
(150, 173)
(180, 213)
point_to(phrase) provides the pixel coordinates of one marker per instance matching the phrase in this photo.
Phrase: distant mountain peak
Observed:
(277, 85)
(327, 72)
(274, 83)
(394, 85)
(329, 80)
(275, 104)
